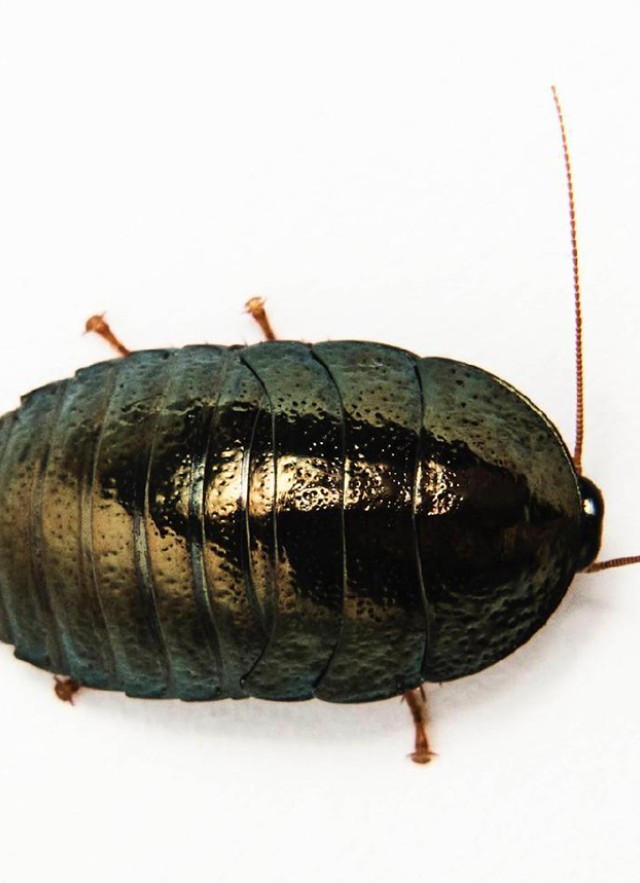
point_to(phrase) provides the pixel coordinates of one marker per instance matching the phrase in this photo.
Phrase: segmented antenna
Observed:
(577, 454)
(613, 562)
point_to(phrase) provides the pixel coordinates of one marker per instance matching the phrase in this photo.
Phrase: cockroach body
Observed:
(343, 520)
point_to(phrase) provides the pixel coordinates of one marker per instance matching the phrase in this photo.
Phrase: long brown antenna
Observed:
(613, 562)
(577, 454)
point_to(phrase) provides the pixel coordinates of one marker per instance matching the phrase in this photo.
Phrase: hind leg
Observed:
(65, 688)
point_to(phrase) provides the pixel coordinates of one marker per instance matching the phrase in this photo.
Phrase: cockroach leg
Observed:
(99, 325)
(255, 308)
(66, 688)
(417, 702)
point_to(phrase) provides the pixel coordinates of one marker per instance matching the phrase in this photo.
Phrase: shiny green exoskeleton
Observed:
(343, 520)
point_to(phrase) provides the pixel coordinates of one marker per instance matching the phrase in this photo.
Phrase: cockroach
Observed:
(342, 520)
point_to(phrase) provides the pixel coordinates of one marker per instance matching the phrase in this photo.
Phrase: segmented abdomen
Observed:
(211, 522)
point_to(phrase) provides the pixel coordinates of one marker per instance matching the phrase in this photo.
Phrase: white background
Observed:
(388, 171)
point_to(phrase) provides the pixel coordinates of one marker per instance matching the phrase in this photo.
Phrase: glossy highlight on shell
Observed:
(343, 520)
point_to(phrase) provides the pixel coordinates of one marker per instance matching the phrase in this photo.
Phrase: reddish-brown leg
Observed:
(98, 325)
(255, 308)
(66, 688)
(417, 702)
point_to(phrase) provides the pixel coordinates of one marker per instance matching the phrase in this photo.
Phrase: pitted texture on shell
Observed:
(499, 517)
(382, 643)
(283, 520)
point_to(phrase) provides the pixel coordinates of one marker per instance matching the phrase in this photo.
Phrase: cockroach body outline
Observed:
(342, 520)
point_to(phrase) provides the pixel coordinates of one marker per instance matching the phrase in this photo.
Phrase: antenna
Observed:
(577, 454)
(612, 562)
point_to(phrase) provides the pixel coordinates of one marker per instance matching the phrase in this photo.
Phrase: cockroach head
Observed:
(591, 518)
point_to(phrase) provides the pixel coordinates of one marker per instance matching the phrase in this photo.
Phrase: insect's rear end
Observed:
(342, 520)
